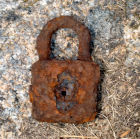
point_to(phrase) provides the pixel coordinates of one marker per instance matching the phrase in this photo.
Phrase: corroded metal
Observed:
(64, 91)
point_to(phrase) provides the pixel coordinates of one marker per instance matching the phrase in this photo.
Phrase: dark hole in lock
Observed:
(63, 93)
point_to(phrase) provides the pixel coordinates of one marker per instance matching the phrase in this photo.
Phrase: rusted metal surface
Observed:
(64, 91)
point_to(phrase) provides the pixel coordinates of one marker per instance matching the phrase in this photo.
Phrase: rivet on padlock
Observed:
(64, 91)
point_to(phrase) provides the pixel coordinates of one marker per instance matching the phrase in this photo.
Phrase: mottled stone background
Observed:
(115, 30)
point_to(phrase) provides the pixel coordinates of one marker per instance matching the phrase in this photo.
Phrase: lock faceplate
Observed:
(64, 91)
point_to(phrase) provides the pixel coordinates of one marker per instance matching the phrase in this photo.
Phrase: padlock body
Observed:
(64, 91)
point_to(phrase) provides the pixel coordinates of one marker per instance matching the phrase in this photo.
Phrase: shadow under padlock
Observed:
(64, 90)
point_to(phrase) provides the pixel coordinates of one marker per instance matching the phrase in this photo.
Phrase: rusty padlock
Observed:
(64, 91)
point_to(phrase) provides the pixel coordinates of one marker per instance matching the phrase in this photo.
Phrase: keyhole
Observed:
(63, 93)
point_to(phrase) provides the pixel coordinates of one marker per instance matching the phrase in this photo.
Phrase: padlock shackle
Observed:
(44, 38)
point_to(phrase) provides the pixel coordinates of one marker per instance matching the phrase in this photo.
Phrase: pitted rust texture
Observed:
(64, 91)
